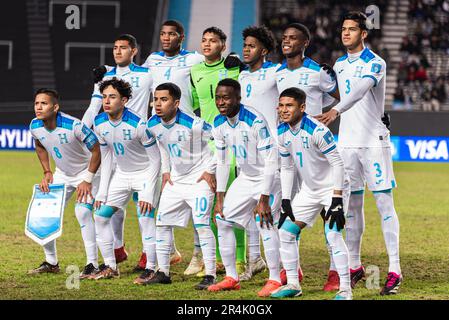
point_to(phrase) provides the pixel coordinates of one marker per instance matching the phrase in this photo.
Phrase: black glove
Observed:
(330, 71)
(98, 73)
(386, 120)
(286, 211)
(233, 61)
(336, 213)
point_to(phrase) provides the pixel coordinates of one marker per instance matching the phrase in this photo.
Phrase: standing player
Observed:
(309, 146)
(188, 180)
(259, 91)
(256, 191)
(76, 152)
(140, 78)
(365, 145)
(204, 79)
(122, 132)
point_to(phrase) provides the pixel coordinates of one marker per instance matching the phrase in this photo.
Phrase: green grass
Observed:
(421, 202)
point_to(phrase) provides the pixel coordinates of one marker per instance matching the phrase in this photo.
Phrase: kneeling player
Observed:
(309, 146)
(256, 189)
(188, 169)
(76, 152)
(122, 132)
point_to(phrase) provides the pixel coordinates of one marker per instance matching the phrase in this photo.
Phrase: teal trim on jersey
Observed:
(367, 55)
(371, 77)
(180, 10)
(358, 192)
(183, 119)
(382, 191)
(97, 96)
(154, 121)
(218, 217)
(130, 118)
(206, 126)
(149, 134)
(200, 225)
(342, 58)
(310, 64)
(307, 124)
(284, 154)
(135, 68)
(327, 229)
(219, 120)
(90, 140)
(283, 127)
(101, 118)
(105, 211)
(150, 145)
(85, 205)
(330, 149)
(291, 227)
(36, 123)
(113, 72)
(243, 14)
(64, 122)
(246, 116)
(265, 148)
(393, 184)
(268, 64)
(282, 67)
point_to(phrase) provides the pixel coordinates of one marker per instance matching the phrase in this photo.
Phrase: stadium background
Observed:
(37, 50)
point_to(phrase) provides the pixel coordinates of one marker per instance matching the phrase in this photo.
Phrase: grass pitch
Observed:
(421, 202)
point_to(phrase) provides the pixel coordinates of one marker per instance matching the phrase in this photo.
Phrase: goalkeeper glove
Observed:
(233, 61)
(98, 73)
(286, 211)
(336, 214)
(330, 71)
(386, 120)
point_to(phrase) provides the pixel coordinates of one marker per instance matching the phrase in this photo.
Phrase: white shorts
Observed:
(123, 185)
(72, 182)
(243, 196)
(181, 201)
(307, 204)
(373, 166)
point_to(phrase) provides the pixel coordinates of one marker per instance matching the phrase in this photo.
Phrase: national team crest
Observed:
(45, 214)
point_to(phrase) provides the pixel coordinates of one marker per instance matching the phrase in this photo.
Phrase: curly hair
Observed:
(263, 34)
(123, 87)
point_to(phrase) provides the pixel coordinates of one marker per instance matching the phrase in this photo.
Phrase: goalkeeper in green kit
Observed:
(204, 78)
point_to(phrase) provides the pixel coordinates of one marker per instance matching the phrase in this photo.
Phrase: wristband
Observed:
(337, 196)
(88, 177)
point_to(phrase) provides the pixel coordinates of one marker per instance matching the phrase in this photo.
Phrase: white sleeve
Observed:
(165, 159)
(96, 102)
(105, 170)
(358, 91)
(266, 146)
(327, 84)
(222, 158)
(146, 64)
(287, 170)
(206, 136)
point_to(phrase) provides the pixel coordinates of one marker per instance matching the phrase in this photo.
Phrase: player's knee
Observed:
(332, 234)
(289, 232)
(203, 230)
(104, 212)
(83, 211)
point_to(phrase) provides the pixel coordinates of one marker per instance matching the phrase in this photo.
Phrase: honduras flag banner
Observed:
(45, 214)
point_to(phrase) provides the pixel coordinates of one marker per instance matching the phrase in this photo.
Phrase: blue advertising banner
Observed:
(15, 138)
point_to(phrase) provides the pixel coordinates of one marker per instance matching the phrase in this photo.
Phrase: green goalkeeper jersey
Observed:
(204, 78)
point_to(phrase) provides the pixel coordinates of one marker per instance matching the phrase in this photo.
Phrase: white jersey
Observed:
(68, 144)
(361, 125)
(141, 81)
(259, 91)
(310, 78)
(249, 139)
(127, 140)
(185, 141)
(311, 149)
(176, 70)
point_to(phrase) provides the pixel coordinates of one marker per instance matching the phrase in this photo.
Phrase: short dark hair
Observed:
(217, 31)
(49, 92)
(228, 82)
(358, 17)
(172, 89)
(173, 23)
(128, 37)
(295, 93)
(123, 87)
(300, 27)
(263, 34)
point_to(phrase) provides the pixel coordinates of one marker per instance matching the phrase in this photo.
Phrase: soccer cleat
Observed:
(333, 281)
(88, 271)
(144, 277)
(253, 268)
(106, 272)
(219, 269)
(269, 287)
(120, 254)
(284, 276)
(45, 267)
(207, 281)
(287, 291)
(227, 283)
(175, 258)
(357, 275)
(343, 295)
(392, 284)
(195, 265)
(159, 277)
(141, 265)
(240, 266)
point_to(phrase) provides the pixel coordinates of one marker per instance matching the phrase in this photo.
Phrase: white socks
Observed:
(355, 225)
(147, 226)
(118, 227)
(87, 225)
(50, 252)
(289, 252)
(196, 242)
(105, 239)
(340, 256)
(390, 228)
(164, 240)
(227, 244)
(271, 244)
(253, 238)
(207, 246)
